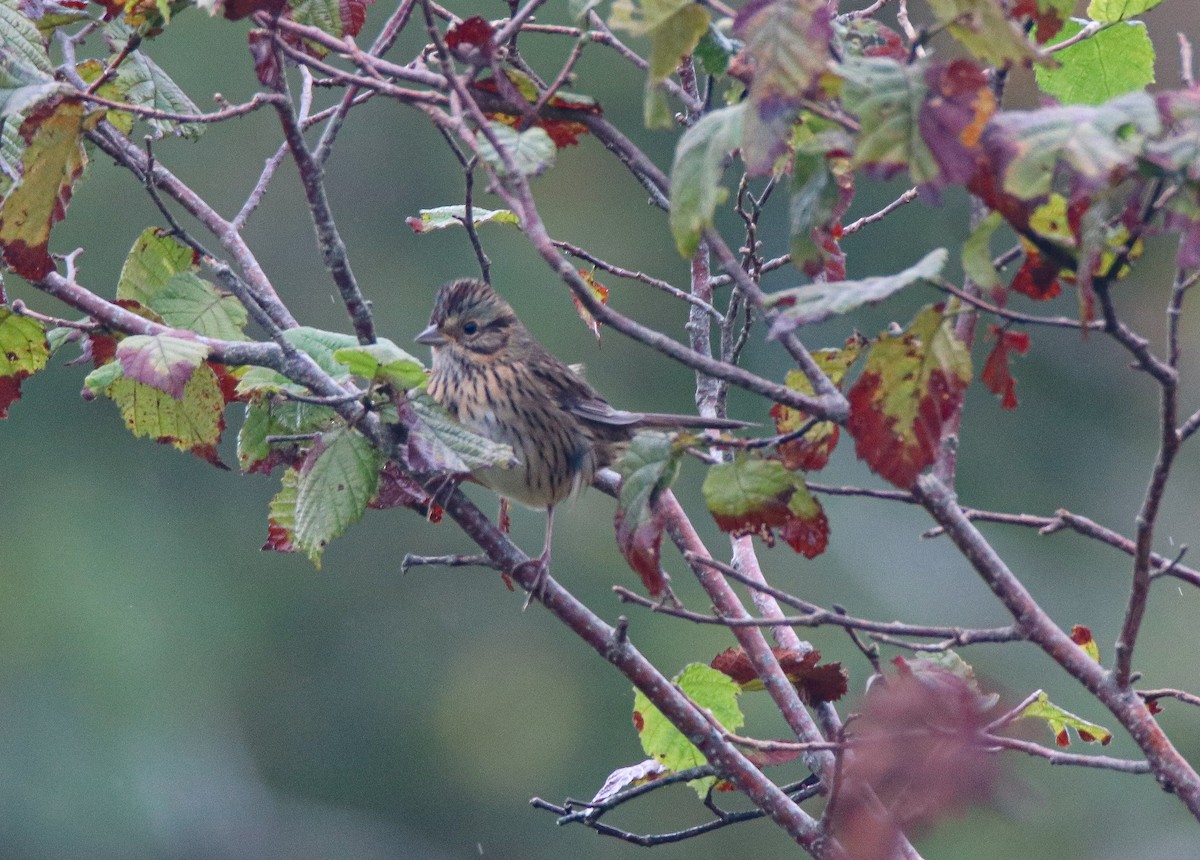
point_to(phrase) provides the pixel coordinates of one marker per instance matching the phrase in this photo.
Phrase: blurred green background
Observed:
(169, 691)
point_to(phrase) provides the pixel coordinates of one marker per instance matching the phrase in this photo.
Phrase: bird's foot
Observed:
(540, 569)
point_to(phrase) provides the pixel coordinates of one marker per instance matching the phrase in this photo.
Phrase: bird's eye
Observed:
(470, 328)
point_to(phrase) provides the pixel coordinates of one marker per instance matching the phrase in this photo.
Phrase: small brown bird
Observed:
(491, 375)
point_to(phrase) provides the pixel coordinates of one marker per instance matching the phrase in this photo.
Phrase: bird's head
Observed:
(472, 321)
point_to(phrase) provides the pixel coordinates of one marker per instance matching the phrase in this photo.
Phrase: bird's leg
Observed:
(542, 563)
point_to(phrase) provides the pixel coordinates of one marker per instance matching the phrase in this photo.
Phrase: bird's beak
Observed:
(431, 337)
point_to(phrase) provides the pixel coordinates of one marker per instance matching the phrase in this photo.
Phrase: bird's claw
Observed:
(541, 573)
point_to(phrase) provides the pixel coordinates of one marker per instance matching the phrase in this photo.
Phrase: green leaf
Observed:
(102, 377)
(700, 159)
(532, 151)
(190, 302)
(887, 97)
(1059, 720)
(23, 347)
(155, 258)
(712, 691)
(986, 30)
(53, 158)
(950, 661)
(452, 447)
(320, 345)
(338, 478)
(325, 15)
(656, 109)
(913, 382)
(20, 40)
(24, 350)
(263, 381)
(752, 496)
(647, 467)
(674, 28)
(1093, 141)
(145, 84)
(190, 423)
(453, 216)
(266, 417)
(161, 361)
(580, 8)
(815, 197)
(977, 253)
(22, 88)
(811, 451)
(675, 39)
(1116, 60)
(281, 515)
(787, 42)
(714, 51)
(1118, 10)
(91, 71)
(813, 303)
(385, 362)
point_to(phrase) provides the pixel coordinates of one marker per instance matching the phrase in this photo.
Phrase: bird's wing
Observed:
(599, 411)
(573, 393)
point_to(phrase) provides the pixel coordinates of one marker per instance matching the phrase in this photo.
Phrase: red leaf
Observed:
(53, 159)
(807, 536)
(956, 110)
(10, 391)
(911, 386)
(1037, 277)
(811, 451)
(751, 496)
(1048, 20)
(563, 131)
(397, 490)
(235, 10)
(471, 40)
(600, 292)
(354, 15)
(641, 544)
(227, 382)
(996, 373)
(815, 683)
(279, 539)
(266, 59)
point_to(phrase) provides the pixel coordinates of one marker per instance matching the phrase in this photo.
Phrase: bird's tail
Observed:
(690, 422)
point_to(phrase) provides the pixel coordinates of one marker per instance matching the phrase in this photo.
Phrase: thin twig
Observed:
(1170, 693)
(1122, 765)
(907, 197)
(1186, 71)
(410, 561)
(642, 277)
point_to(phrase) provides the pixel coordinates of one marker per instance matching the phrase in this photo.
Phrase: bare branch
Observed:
(1122, 765)
(329, 239)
